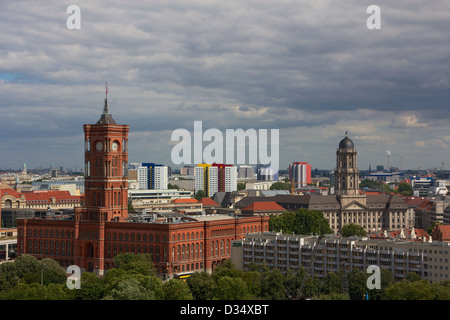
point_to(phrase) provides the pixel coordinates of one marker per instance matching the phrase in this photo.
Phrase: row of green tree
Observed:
(134, 278)
(305, 222)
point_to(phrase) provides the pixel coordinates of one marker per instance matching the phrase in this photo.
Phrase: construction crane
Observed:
(308, 271)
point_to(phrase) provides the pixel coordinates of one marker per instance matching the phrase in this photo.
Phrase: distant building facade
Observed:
(246, 172)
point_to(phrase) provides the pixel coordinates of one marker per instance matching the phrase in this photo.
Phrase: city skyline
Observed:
(311, 70)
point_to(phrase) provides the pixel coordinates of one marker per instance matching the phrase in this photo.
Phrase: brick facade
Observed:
(99, 230)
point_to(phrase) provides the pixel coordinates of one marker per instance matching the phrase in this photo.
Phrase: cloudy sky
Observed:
(311, 69)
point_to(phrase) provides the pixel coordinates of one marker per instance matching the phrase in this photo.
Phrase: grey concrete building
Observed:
(430, 260)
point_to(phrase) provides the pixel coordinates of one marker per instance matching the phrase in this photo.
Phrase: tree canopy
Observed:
(303, 221)
(351, 229)
(280, 186)
(200, 194)
(130, 280)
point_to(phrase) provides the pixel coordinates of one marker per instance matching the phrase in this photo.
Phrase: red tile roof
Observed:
(441, 232)
(12, 192)
(264, 206)
(45, 196)
(415, 201)
(208, 202)
(184, 201)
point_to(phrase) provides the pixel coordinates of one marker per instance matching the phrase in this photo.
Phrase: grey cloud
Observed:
(289, 64)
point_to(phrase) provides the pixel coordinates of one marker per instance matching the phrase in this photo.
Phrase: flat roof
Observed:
(212, 217)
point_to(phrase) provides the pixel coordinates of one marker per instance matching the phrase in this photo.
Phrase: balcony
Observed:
(319, 267)
(401, 267)
(416, 268)
(293, 244)
(415, 254)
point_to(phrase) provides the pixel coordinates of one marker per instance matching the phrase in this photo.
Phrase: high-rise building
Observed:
(300, 174)
(265, 174)
(142, 177)
(246, 172)
(206, 179)
(215, 178)
(160, 179)
(152, 176)
(187, 171)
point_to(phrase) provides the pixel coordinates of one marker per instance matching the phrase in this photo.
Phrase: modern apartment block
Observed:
(265, 174)
(152, 176)
(430, 260)
(246, 172)
(215, 178)
(300, 174)
(206, 179)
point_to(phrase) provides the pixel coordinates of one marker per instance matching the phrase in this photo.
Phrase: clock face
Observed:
(114, 146)
(99, 146)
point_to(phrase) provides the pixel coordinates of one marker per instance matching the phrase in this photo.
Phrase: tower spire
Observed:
(105, 110)
(106, 118)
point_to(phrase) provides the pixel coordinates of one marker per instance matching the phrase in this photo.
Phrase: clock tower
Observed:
(347, 174)
(106, 165)
(105, 189)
